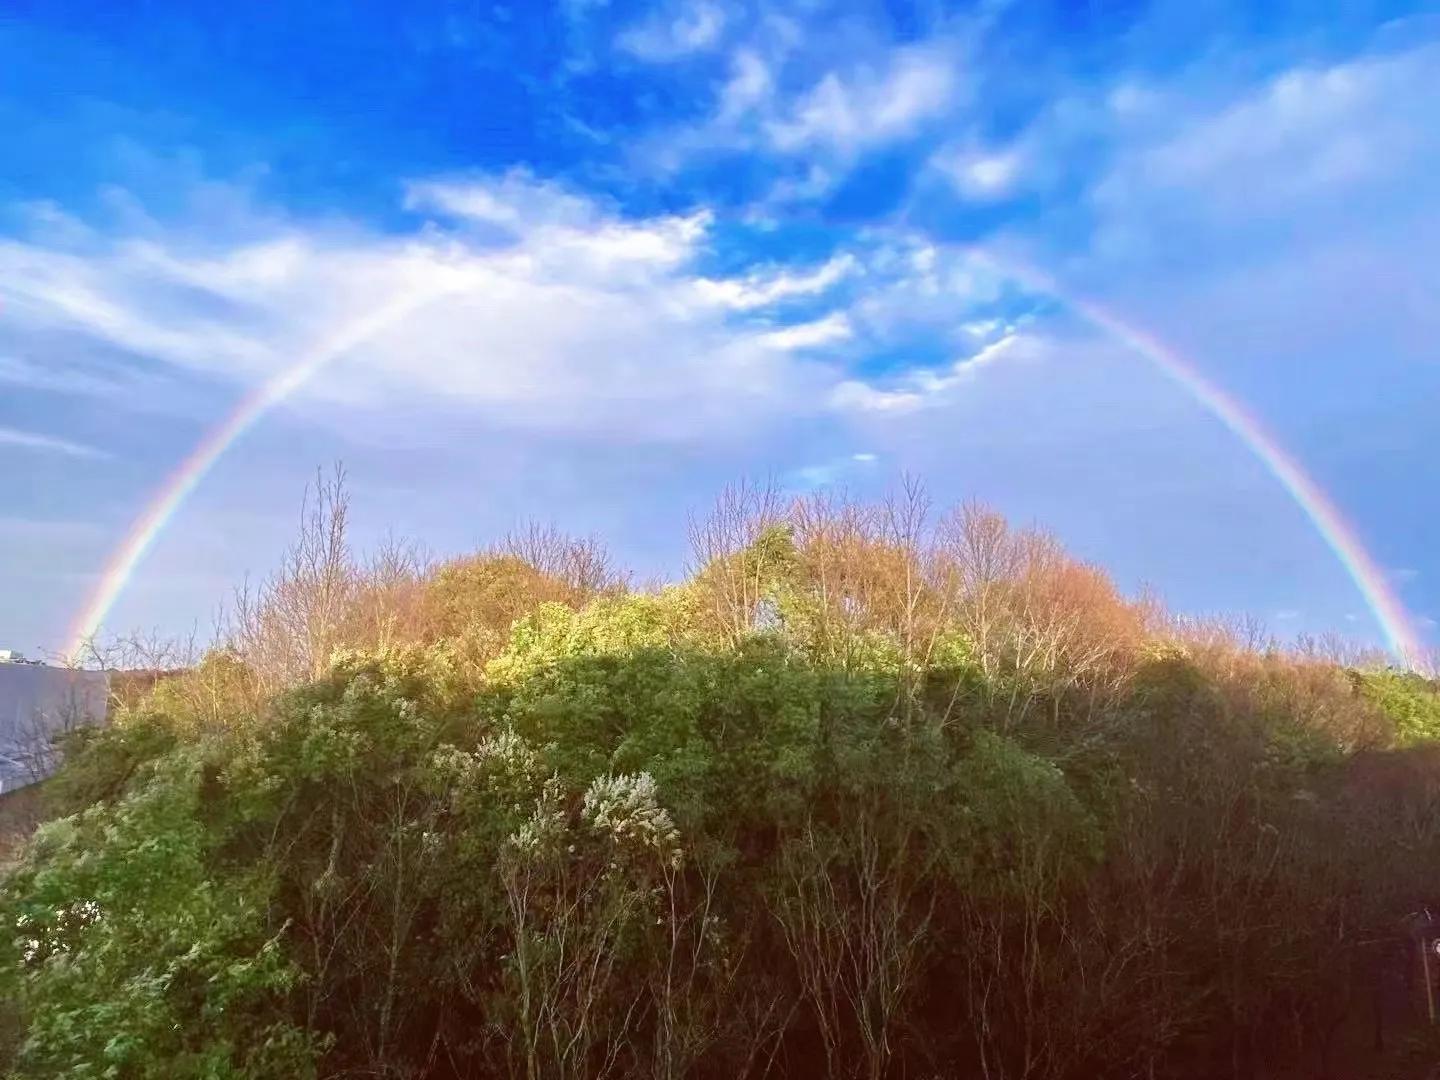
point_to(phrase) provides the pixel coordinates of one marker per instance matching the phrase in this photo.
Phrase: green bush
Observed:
(643, 844)
(1411, 701)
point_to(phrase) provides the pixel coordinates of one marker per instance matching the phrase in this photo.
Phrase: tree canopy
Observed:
(873, 793)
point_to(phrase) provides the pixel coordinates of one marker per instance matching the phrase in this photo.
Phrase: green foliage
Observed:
(614, 688)
(101, 763)
(1023, 824)
(131, 957)
(1411, 701)
(639, 846)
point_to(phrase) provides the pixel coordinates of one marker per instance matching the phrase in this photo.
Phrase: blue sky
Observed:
(674, 244)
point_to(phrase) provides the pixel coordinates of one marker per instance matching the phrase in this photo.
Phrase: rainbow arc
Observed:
(1337, 532)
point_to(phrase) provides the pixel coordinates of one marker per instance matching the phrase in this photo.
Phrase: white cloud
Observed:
(922, 387)
(911, 283)
(750, 85)
(48, 219)
(1308, 140)
(670, 36)
(572, 318)
(1300, 113)
(553, 313)
(47, 444)
(516, 199)
(982, 176)
(857, 396)
(827, 473)
(819, 125)
(60, 377)
(107, 298)
(832, 328)
(763, 289)
(982, 329)
(815, 182)
(553, 229)
(866, 107)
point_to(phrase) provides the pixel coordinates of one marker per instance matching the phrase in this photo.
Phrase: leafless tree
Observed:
(854, 912)
(287, 628)
(718, 543)
(1332, 648)
(1040, 623)
(582, 563)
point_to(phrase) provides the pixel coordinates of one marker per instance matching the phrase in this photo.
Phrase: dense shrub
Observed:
(857, 800)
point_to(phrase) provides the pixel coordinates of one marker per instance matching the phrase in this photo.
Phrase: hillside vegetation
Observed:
(877, 792)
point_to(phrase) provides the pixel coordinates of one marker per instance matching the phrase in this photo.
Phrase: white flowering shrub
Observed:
(626, 810)
(509, 757)
(545, 831)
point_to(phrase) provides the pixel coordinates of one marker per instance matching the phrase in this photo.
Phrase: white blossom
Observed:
(627, 809)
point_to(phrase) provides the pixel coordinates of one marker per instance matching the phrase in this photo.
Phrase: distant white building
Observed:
(37, 703)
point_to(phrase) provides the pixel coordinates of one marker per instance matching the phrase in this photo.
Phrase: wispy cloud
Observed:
(516, 200)
(924, 387)
(832, 328)
(748, 88)
(812, 113)
(832, 472)
(853, 110)
(761, 288)
(62, 378)
(564, 315)
(1230, 170)
(1308, 129)
(47, 444)
(672, 34)
(982, 175)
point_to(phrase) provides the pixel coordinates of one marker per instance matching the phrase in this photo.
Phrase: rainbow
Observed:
(1329, 523)
(1338, 534)
(182, 482)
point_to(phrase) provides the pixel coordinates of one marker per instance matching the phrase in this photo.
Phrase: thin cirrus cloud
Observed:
(825, 121)
(56, 377)
(928, 388)
(864, 107)
(982, 175)
(765, 287)
(1224, 169)
(833, 472)
(672, 34)
(832, 328)
(1310, 131)
(17, 439)
(1277, 232)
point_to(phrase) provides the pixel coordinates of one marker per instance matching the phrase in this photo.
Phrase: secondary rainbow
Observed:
(1386, 607)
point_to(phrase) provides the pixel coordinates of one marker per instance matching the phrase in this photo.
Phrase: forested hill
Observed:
(877, 792)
